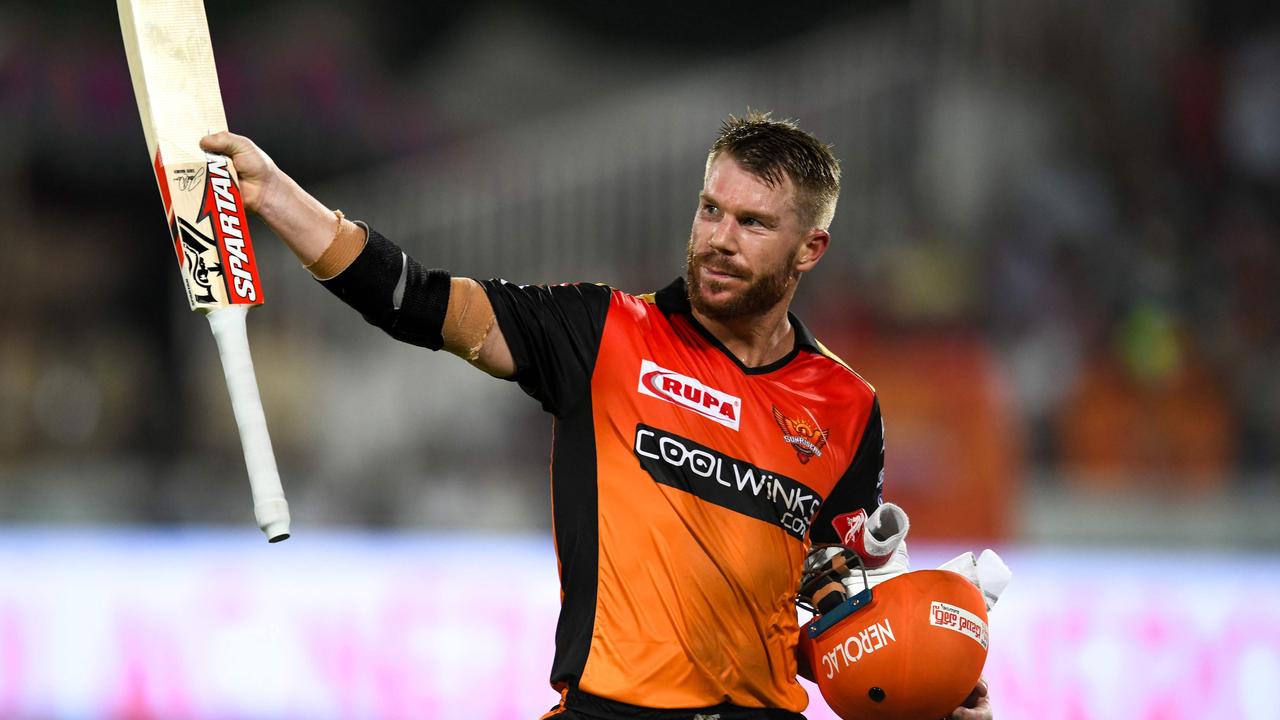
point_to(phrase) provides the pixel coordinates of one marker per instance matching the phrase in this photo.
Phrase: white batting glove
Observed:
(988, 572)
(880, 539)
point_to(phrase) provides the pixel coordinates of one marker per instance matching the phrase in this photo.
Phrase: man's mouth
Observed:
(721, 274)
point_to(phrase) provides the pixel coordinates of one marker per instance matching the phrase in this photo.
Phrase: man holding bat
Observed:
(703, 437)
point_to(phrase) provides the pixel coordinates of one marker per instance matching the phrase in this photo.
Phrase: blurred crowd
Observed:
(1153, 294)
(1080, 287)
(1104, 217)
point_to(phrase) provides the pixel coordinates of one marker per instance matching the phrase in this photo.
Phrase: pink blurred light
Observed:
(129, 628)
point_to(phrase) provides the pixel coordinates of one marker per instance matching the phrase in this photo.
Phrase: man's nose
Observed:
(723, 236)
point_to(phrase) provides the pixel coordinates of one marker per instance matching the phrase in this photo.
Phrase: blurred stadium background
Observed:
(1057, 256)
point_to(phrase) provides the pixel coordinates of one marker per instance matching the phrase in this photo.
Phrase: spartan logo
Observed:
(202, 265)
(225, 210)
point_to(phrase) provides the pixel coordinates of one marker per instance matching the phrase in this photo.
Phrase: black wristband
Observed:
(369, 285)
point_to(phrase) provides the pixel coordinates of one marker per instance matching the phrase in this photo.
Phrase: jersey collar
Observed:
(674, 300)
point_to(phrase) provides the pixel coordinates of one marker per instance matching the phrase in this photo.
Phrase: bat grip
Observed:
(269, 506)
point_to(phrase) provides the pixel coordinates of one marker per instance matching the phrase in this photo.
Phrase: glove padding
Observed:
(878, 540)
(875, 537)
(988, 572)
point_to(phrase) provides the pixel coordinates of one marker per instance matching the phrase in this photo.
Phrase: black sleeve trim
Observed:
(554, 334)
(369, 285)
(861, 486)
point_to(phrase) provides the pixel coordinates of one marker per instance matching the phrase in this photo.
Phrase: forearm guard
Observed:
(393, 292)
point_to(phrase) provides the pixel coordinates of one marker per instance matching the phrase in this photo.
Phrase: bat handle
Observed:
(269, 506)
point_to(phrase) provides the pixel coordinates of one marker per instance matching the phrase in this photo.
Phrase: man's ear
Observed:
(812, 248)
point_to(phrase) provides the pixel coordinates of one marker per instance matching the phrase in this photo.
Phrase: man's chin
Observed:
(718, 305)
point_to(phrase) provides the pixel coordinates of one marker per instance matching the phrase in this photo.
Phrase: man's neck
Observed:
(757, 340)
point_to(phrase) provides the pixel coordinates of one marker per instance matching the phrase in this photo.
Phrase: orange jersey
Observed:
(686, 489)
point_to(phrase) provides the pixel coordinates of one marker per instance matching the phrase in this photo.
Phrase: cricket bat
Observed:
(176, 84)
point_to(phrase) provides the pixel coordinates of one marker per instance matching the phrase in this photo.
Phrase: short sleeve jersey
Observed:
(686, 489)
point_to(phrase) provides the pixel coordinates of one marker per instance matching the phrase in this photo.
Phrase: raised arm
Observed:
(328, 244)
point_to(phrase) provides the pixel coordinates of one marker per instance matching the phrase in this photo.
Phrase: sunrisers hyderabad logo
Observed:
(803, 434)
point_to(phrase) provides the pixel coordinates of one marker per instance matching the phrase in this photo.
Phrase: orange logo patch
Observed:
(802, 434)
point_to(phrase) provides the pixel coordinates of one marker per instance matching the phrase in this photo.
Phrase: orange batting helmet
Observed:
(913, 651)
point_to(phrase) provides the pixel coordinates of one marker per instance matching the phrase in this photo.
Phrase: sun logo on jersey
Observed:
(802, 434)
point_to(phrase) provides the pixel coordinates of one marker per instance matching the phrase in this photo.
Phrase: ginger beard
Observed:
(761, 294)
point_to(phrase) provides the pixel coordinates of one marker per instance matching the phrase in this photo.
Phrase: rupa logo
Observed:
(690, 393)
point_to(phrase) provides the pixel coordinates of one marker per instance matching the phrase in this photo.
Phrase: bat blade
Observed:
(175, 82)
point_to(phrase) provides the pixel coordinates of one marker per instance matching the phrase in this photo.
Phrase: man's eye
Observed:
(710, 209)
(750, 221)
